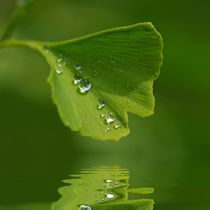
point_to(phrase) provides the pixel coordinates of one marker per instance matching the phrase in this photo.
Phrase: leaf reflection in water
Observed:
(102, 188)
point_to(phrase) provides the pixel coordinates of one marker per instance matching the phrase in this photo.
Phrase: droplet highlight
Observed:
(110, 196)
(108, 181)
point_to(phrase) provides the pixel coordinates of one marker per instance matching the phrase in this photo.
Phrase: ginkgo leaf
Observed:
(97, 79)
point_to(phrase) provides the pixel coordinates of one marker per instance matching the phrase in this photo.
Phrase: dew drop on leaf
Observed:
(110, 196)
(84, 86)
(102, 115)
(84, 207)
(109, 119)
(117, 125)
(59, 69)
(61, 61)
(108, 180)
(77, 79)
(107, 129)
(101, 104)
(78, 67)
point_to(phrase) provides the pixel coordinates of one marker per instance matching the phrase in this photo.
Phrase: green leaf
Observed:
(120, 65)
(97, 79)
(102, 188)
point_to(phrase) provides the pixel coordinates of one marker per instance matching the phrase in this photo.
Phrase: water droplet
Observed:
(78, 67)
(61, 60)
(109, 119)
(109, 181)
(59, 69)
(110, 196)
(102, 115)
(84, 86)
(101, 104)
(117, 125)
(107, 129)
(84, 207)
(77, 79)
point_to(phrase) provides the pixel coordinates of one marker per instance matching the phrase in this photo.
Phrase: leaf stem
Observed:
(20, 43)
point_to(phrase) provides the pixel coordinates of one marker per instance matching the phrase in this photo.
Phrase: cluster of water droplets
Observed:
(61, 62)
(83, 84)
(109, 120)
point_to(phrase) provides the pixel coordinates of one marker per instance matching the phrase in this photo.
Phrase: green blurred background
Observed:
(169, 151)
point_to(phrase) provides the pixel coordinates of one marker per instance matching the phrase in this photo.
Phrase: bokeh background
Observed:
(169, 151)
